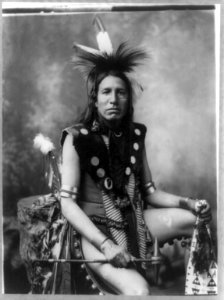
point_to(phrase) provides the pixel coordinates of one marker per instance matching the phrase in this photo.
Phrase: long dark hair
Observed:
(90, 114)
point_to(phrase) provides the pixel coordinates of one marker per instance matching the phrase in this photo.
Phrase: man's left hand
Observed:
(203, 209)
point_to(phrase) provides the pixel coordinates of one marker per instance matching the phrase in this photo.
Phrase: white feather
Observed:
(43, 143)
(85, 48)
(104, 42)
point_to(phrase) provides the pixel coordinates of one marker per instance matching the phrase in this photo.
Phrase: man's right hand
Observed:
(117, 255)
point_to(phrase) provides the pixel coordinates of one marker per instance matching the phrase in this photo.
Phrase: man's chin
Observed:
(113, 118)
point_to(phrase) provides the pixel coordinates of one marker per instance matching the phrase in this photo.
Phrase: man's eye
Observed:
(122, 93)
(106, 92)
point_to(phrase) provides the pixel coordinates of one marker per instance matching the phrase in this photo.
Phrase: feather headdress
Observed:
(92, 61)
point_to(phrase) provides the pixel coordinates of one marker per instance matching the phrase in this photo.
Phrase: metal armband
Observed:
(149, 188)
(69, 192)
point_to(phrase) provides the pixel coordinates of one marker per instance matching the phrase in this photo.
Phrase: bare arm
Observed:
(71, 211)
(159, 198)
(76, 216)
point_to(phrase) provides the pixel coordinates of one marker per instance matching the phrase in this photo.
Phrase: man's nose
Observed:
(113, 97)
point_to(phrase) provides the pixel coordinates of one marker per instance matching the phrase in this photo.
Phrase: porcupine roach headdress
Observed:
(92, 62)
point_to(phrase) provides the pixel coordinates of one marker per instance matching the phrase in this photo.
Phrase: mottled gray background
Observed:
(42, 93)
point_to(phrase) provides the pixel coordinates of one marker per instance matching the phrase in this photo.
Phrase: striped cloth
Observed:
(114, 213)
(143, 236)
(120, 236)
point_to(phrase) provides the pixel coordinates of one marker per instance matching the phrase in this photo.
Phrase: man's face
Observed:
(112, 98)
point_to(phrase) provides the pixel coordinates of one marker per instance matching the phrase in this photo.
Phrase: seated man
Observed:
(106, 180)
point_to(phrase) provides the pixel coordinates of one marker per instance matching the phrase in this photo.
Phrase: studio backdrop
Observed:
(43, 93)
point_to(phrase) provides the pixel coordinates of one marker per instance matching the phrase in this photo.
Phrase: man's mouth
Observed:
(113, 109)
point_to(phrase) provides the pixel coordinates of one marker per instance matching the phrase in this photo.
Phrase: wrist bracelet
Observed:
(106, 239)
(183, 202)
(97, 241)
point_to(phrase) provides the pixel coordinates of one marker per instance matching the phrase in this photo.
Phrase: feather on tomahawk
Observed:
(45, 145)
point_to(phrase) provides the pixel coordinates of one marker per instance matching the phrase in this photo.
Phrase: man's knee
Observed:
(137, 290)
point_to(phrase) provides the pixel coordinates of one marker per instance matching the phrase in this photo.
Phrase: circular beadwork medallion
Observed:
(137, 131)
(84, 131)
(95, 161)
(128, 171)
(108, 183)
(100, 172)
(136, 146)
(133, 160)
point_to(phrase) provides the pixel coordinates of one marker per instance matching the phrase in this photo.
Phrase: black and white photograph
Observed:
(110, 149)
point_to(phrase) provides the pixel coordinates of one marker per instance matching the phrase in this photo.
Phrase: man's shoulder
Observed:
(75, 126)
(76, 129)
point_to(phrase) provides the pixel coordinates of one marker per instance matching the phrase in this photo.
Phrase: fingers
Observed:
(205, 213)
(203, 210)
(206, 216)
(128, 258)
(121, 259)
(206, 219)
(117, 255)
(201, 205)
